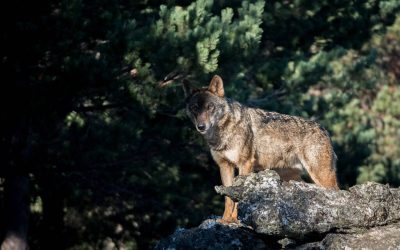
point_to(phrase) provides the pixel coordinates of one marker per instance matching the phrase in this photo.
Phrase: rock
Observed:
(298, 215)
(299, 210)
(213, 235)
(385, 237)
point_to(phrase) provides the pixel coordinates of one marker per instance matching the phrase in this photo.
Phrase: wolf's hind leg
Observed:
(321, 167)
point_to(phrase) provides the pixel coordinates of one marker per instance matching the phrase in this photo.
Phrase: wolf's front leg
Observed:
(227, 172)
(247, 167)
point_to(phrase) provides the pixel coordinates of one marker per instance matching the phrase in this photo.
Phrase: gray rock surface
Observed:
(297, 215)
(298, 210)
(384, 237)
(213, 235)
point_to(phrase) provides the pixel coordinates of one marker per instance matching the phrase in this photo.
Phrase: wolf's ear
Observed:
(186, 88)
(217, 86)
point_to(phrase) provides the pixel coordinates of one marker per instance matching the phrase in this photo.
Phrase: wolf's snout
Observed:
(201, 127)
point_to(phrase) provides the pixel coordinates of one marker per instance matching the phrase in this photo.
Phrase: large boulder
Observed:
(297, 209)
(297, 215)
(213, 235)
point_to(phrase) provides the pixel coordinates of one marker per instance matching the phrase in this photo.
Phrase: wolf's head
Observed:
(205, 106)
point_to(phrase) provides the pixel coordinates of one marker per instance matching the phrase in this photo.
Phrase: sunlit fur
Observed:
(251, 139)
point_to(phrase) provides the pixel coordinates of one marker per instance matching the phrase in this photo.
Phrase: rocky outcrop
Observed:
(298, 209)
(298, 215)
(384, 237)
(213, 235)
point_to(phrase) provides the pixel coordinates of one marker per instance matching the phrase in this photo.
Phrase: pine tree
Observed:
(107, 151)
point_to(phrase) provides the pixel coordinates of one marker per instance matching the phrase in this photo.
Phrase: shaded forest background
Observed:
(100, 158)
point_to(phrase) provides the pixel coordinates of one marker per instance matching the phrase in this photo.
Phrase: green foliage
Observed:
(383, 164)
(113, 160)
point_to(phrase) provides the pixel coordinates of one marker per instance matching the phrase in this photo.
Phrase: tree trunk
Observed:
(53, 214)
(16, 212)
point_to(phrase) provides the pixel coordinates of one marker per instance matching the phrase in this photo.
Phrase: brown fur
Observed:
(252, 139)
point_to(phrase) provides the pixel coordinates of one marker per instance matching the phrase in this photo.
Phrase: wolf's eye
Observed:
(210, 106)
(194, 108)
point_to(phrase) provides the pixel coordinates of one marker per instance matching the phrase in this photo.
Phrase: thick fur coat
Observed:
(250, 139)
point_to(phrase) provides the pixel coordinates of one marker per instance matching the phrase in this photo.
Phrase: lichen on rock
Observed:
(298, 209)
(298, 215)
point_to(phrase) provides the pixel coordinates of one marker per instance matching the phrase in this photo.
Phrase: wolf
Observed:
(250, 139)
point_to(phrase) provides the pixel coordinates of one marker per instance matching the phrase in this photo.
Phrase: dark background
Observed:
(103, 159)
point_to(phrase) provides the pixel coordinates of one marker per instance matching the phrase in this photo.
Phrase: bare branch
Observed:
(172, 77)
